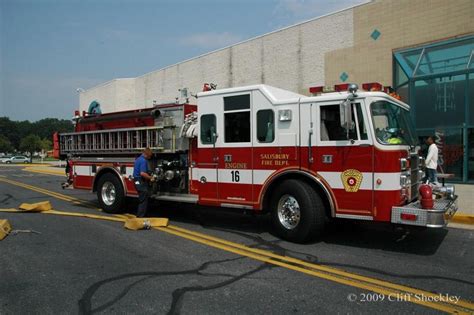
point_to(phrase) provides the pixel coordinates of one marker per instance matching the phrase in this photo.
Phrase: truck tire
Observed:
(297, 211)
(110, 193)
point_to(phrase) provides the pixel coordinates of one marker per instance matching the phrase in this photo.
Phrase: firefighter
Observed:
(395, 136)
(68, 171)
(141, 179)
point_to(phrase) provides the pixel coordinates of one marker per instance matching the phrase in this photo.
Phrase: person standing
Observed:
(141, 178)
(431, 161)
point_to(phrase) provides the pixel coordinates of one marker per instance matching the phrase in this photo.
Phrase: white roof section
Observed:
(274, 94)
(279, 96)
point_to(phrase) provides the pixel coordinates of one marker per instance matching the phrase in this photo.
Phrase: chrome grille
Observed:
(415, 184)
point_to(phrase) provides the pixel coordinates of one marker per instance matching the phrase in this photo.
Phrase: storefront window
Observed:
(403, 92)
(440, 101)
(450, 150)
(437, 80)
(470, 98)
(470, 153)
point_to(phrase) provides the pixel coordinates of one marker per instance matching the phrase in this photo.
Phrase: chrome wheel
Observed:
(289, 212)
(108, 193)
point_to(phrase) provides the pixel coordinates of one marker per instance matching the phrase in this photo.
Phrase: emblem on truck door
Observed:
(351, 179)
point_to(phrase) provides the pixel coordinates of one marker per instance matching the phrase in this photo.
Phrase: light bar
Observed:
(316, 89)
(373, 86)
(341, 87)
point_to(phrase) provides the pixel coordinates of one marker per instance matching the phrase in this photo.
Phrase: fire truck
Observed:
(306, 160)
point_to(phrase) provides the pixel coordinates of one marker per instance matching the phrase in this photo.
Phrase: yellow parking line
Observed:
(44, 171)
(49, 193)
(328, 273)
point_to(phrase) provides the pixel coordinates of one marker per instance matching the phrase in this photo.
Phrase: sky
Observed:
(50, 48)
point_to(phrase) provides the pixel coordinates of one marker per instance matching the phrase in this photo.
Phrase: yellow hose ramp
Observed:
(5, 228)
(130, 221)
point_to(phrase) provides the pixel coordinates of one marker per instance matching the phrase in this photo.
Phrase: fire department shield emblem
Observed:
(351, 179)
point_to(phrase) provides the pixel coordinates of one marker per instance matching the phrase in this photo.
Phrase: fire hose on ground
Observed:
(131, 222)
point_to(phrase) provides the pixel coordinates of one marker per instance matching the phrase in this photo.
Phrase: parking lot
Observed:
(216, 261)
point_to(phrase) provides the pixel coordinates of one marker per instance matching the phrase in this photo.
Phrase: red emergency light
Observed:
(206, 87)
(408, 216)
(316, 89)
(373, 86)
(341, 87)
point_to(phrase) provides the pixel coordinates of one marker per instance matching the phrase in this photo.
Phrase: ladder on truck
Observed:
(118, 141)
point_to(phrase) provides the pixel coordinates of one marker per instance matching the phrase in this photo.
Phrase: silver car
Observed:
(3, 159)
(17, 159)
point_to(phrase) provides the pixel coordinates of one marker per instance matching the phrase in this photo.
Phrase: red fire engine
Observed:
(348, 154)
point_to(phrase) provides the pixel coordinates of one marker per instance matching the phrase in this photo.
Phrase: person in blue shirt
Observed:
(141, 177)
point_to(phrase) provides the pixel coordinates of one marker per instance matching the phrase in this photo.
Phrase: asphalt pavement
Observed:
(56, 264)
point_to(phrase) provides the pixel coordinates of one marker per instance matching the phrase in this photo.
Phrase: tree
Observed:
(47, 126)
(46, 145)
(5, 144)
(31, 144)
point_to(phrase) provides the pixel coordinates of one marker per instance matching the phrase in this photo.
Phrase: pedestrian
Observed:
(141, 179)
(431, 161)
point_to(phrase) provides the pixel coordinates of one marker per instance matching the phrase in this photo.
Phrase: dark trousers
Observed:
(143, 195)
(430, 175)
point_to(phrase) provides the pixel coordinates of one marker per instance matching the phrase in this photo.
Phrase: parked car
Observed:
(5, 158)
(17, 159)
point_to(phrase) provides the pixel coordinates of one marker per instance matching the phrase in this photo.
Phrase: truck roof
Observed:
(279, 96)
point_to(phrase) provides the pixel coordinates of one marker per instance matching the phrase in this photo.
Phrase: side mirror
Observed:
(345, 110)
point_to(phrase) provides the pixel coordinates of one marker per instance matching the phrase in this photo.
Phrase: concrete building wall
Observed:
(115, 95)
(312, 53)
(291, 58)
(402, 24)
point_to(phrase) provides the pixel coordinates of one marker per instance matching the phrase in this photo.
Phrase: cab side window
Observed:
(265, 126)
(237, 118)
(331, 129)
(208, 128)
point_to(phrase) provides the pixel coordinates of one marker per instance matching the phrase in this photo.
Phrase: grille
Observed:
(414, 166)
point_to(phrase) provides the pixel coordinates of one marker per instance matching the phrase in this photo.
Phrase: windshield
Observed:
(392, 124)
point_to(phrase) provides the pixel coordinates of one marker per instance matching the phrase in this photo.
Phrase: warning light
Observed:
(408, 216)
(341, 87)
(373, 86)
(316, 89)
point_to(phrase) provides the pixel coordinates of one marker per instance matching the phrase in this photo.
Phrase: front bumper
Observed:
(413, 214)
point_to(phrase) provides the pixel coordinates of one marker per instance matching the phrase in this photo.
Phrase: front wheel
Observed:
(297, 211)
(110, 193)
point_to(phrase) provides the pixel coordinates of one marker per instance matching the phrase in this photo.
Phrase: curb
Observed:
(463, 218)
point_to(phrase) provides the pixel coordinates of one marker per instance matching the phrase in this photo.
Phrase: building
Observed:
(422, 48)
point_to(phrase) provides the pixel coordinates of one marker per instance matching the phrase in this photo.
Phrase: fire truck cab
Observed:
(349, 154)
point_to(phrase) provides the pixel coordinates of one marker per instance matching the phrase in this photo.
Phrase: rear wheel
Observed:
(110, 193)
(297, 211)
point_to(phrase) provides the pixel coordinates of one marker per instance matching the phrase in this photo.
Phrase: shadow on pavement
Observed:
(342, 232)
